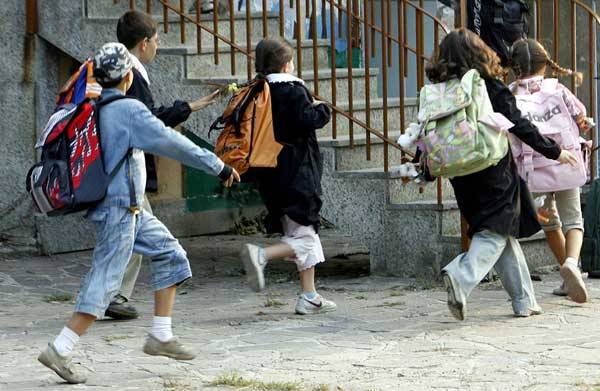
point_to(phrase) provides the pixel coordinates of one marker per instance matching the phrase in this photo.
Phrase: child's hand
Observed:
(234, 177)
(567, 157)
(204, 101)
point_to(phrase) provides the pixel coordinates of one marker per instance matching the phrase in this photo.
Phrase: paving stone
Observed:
(388, 333)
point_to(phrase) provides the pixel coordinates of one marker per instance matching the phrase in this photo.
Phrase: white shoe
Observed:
(535, 310)
(561, 290)
(317, 305)
(573, 281)
(254, 262)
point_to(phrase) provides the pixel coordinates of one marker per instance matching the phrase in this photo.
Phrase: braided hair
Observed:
(528, 57)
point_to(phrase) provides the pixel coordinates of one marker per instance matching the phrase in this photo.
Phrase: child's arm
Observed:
(505, 103)
(308, 115)
(576, 109)
(149, 134)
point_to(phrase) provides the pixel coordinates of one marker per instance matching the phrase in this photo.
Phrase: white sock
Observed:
(571, 260)
(65, 342)
(161, 328)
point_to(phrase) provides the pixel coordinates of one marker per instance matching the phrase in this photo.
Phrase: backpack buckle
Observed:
(134, 209)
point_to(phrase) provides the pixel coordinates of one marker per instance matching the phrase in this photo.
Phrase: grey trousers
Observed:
(133, 266)
(489, 249)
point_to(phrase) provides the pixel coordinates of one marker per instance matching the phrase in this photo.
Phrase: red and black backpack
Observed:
(70, 174)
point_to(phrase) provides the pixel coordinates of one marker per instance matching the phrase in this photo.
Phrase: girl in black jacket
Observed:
(292, 191)
(495, 202)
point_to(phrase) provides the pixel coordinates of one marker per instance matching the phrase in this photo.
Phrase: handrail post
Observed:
(300, 31)
(31, 17)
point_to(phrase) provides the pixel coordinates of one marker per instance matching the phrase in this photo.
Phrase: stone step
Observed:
(359, 112)
(412, 237)
(115, 8)
(344, 255)
(354, 157)
(203, 64)
(325, 82)
(535, 248)
(172, 38)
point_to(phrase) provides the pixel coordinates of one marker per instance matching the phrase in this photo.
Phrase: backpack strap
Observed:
(133, 205)
(238, 112)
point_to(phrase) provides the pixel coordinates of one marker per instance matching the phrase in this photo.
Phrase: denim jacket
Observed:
(128, 124)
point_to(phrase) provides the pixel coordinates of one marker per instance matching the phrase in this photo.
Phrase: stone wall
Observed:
(17, 124)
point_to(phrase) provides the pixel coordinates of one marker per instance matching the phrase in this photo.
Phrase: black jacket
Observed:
(171, 116)
(497, 198)
(294, 187)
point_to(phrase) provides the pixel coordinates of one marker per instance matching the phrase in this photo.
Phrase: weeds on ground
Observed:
(272, 302)
(390, 304)
(396, 293)
(238, 382)
(112, 338)
(421, 284)
(60, 298)
(177, 385)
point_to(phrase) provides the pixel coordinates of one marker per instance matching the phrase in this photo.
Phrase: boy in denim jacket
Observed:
(128, 130)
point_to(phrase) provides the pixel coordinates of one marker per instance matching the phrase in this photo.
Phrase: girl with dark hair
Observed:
(495, 201)
(530, 61)
(292, 191)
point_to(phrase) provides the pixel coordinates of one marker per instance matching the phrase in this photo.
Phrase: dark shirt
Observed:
(294, 187)
(170, 115)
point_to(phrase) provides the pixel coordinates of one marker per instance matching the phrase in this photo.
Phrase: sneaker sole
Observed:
(574, 284)
(456, 308)
(559, 293)
(323, 311)
(254, 275)
(169, 355)
(121, 315)
(45, 362)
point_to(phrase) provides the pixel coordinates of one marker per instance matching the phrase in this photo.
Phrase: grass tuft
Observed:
(236, 381)
(60, 298)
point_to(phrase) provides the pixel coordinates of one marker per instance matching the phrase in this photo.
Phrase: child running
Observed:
(564, 224)
(495, 201)
(121, 228)
(292, 191)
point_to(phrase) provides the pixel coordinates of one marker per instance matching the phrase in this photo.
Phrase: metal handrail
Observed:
(248, 53)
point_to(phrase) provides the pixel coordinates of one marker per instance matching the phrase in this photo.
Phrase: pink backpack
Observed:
(547, 110)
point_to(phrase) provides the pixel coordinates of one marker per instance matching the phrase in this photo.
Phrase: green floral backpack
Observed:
(461, 134)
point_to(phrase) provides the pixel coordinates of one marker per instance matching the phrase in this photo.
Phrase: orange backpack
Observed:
(248, 140)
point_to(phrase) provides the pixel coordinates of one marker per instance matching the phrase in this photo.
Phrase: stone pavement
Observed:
(388, 334)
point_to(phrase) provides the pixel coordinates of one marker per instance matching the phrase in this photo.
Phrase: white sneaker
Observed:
(254, 262)
(561, 290)
(573, 281)
(535, 310)
(317, 305)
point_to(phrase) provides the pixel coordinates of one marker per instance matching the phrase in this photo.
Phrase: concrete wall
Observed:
(17, 124)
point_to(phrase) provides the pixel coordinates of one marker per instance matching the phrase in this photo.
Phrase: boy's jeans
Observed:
(134, 265)
(489, 249)
(119, 233)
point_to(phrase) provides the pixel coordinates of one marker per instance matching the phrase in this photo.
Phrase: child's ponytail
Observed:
(557, 70)
(528, 57)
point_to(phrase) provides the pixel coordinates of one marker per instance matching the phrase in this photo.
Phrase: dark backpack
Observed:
(70, 175)
(590, 251)
(499, 23)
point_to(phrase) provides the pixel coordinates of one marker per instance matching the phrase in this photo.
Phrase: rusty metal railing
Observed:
(369, 27)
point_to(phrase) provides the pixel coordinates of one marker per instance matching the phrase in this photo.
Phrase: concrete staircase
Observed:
(406, 231)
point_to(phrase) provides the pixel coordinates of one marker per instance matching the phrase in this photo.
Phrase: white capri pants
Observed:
(304, 241)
